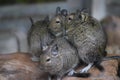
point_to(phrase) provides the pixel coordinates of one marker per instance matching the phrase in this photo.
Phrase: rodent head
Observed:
(57, 22)
(50, 60)
(76, 18)
(55, 57)
(79, 16)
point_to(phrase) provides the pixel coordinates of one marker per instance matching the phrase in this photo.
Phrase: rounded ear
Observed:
(55, 50)
(78, 14)
(84, 10)
(81, 13)
(64, 12)
(58, 11)
(56, 47)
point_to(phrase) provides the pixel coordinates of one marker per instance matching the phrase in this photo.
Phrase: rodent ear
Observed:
(58, 11)
(55, 50)
(78, 14)
(81, 14)
(64, 12)
(84, 10)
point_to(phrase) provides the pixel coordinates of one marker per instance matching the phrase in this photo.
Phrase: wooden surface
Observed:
(18, 66)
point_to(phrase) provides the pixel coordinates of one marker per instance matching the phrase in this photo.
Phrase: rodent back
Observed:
(38, 36)
(87, 35)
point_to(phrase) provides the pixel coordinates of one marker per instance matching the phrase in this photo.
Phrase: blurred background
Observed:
(15, 23)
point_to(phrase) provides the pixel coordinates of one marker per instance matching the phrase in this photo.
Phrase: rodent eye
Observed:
(57, 21)
(69, 18)
(47, 60)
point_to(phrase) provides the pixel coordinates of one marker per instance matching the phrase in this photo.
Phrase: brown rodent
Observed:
(87, 35)
(39, 37)
(59, 58)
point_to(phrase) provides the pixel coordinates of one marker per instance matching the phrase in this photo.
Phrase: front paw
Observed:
(71, 73)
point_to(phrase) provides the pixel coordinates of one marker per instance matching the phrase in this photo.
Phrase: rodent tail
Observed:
(83, 75)
(110, 58)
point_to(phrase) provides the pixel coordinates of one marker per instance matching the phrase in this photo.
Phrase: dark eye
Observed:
(57, 21)
(48, 60)
(69, 18)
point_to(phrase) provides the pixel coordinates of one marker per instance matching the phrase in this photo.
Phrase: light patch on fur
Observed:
(45, 47)
(57, 19)
(85, 70)
(58, 34)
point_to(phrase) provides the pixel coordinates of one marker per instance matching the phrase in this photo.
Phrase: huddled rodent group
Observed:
(67, 39)
(86, 34)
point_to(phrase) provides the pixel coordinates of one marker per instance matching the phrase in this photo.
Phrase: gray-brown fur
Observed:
(59, 58)
(38, 36)
(86, 33)
(56, 26)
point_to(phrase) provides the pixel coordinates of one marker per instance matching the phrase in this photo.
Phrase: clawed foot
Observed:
(71, 73)
(85, 70)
